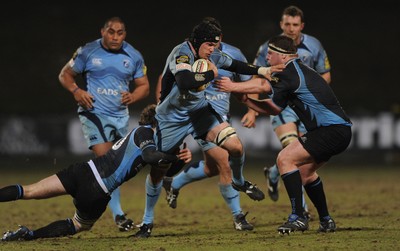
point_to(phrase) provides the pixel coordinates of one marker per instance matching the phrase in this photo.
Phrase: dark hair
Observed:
(282, 44)
(113, 20)
(147, 117)
(293, 11)
(204, 32)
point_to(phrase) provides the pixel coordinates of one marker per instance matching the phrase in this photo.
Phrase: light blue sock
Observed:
(237, 164)
(273, 174)
(232, 198)
(193, 173)
(152, 194)
(115, 203)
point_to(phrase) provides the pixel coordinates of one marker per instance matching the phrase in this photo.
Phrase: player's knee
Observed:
(288, 138)
(82, 224)
(224, 135)
(282, 161)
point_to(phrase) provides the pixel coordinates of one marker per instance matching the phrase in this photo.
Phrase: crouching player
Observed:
(91, 183)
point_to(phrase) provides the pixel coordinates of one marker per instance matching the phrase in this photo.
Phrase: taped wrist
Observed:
(264, 71)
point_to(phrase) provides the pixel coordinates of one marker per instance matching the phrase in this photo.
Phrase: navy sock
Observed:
(294, 190)
(10, 193)
(55, 229)
(315, 191)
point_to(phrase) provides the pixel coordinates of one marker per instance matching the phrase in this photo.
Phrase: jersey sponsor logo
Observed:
(97, 61)
(146, 142)
(104, 91)
(327, 64)
(215, 97)
(126, 63)
(182, 59)
(183, 66)
(199, 77)
(144, 69)
(274, 80)
(119, 143)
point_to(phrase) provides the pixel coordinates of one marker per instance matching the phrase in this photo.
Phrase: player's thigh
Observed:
(45, 188)
(170, 135)
(293, 156)
(99, 128)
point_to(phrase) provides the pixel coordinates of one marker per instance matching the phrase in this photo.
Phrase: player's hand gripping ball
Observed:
(200, 65)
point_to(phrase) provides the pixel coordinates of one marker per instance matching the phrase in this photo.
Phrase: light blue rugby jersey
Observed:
(107, 74)
(179, 104)
(310, 52)
(220, 100)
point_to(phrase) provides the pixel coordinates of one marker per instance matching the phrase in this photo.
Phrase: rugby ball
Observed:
(200, 65)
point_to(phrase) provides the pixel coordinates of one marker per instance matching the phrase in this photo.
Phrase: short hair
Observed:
(114, 20)
(148, 116)
(293, 11)
(282, 44)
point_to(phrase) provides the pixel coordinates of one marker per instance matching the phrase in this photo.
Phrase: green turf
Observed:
(365, 203)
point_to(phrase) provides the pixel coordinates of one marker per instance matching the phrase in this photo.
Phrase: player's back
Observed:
(122, 162)
(308, 95)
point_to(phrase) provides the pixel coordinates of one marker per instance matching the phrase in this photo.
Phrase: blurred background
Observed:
(38, 116)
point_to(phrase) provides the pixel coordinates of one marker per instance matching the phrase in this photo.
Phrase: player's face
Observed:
(113, 36)
(274, 58)
(292, 27)
(206, 49)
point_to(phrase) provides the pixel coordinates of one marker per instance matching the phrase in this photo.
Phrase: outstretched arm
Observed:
(255, 85)
(265, 106)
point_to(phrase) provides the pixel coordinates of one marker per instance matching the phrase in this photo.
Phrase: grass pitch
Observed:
(364, 201)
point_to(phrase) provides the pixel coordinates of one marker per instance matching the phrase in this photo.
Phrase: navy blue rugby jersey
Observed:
(307, 93)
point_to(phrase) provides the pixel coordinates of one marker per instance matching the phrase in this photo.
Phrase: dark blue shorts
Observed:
(324, 142)
(89, 198)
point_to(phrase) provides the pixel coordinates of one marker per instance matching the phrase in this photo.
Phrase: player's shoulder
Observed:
(263, 46)
(89, 48)
(310, 40)
(182, 53)
(226, 46)
(93, 45)
(183, 48)
(132, 51)
(232, 51)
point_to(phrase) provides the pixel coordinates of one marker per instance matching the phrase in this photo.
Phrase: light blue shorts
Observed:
(287, 116)
(170, 134)
(98, 128)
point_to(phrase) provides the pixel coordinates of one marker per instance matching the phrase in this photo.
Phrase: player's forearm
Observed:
(140, 92)
(263, 106)
(253, 86)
